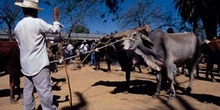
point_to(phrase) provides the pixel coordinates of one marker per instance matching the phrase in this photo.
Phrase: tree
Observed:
(76, 12)
(207, 10)
(141, 13)
(81, 29)
(8, 15)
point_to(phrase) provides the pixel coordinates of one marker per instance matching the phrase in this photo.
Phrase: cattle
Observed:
(162, 50)
(56, 49)
(211, 51)
(109, 52)
(111, 48)
(137, 61)
(10, 63)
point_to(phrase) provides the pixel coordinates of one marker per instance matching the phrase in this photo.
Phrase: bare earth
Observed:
(99, 90)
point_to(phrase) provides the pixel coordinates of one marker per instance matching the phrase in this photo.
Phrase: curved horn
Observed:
(146, 41)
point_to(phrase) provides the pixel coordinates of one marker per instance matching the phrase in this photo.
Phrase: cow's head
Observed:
(57, 51)
(53, 65)
(135, 39)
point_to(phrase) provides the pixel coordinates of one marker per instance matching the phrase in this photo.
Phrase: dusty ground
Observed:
(99, 90)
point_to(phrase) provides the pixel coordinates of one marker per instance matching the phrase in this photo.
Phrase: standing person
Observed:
(84, 47)
(30, 36)
(69, 49)
(92, 55)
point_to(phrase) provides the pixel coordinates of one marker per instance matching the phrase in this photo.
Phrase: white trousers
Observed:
(42, 83)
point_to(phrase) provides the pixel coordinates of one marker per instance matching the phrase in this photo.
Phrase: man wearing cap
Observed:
(30, 36)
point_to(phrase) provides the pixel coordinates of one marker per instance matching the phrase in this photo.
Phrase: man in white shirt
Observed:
(69, 49)
(83, 49)
(30, 36)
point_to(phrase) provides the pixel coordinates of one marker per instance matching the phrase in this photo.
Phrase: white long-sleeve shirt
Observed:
(30, 36)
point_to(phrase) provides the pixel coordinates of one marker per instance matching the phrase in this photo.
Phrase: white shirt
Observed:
(83, 48)
(30, 36)
(69, 47)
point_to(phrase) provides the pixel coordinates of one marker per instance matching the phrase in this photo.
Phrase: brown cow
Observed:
(211, 50)
(9, 61)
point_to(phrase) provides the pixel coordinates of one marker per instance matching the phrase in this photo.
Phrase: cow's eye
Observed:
(134, 34)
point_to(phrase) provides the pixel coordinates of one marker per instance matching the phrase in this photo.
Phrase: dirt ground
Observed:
(100, 90)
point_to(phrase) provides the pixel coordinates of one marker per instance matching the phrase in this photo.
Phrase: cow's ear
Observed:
(146, 41)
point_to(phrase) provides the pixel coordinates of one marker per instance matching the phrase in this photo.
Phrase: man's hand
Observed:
(55, 13)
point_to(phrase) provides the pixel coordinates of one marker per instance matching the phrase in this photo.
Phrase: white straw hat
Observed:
(29, 4)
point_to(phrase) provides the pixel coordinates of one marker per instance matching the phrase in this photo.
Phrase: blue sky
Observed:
(108, 27)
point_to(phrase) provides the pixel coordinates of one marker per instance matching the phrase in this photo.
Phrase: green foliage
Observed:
(81, 29)
(206, 10)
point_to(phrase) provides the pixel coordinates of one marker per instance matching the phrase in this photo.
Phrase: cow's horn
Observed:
(146, 41)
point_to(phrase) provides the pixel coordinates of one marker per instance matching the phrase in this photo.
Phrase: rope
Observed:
(54, 61)
(93, 49)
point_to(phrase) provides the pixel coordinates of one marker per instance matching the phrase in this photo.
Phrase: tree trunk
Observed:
(69, 35)
(10, 34)
(195, 27)
(210, 25)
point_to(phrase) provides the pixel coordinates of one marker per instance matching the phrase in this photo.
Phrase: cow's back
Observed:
(214, 45)
(177, 47)
(9, 55)
(213, 50)
(184, 45)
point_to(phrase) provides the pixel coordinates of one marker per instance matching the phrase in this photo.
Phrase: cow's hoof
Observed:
(188, 90)
(213, 80)
(171, 96)
(197, 77)
(156, 95)
(13, 101)
(207, 77)
(21, 96)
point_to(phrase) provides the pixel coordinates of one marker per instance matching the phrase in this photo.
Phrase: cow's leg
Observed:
(97, 65)
(128, 75)
(12, 91)
(17, 85)
(12, 81)
(159, 80)
(109, 66)
(211, 73)
(197, 70)
(209, 67)
(192, 71)
(139, 67)
(219, 69)
(170, 81)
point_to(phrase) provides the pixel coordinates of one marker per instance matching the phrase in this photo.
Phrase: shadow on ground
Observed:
(136, 86)
(81, 105)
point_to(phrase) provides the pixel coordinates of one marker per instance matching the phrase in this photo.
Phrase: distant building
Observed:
(52, 37)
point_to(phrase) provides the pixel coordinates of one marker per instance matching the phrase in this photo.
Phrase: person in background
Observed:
(30, 36)
(92, 55)
(69, 49)
(84, 47)
(170, 30)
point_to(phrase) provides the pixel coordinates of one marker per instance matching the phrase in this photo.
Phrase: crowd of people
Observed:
(83, 50)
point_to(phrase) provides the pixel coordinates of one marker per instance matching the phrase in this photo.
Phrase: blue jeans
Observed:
(92, 58)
